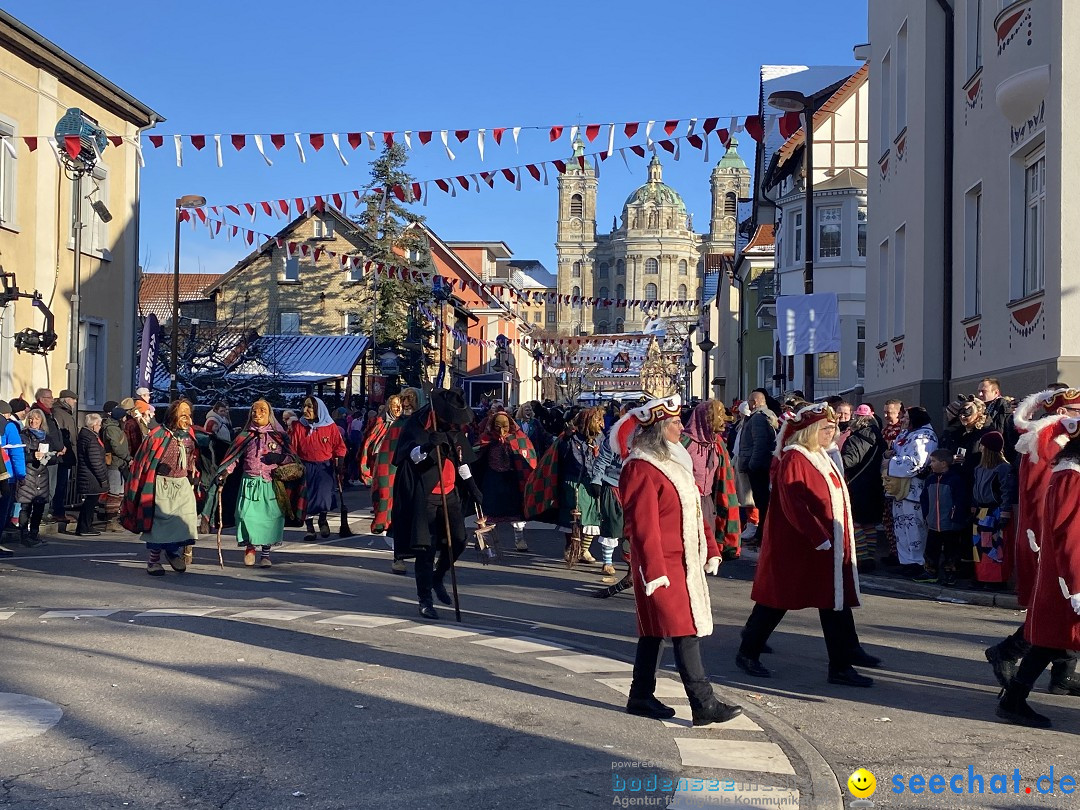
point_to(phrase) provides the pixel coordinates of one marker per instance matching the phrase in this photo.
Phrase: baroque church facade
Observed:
(652, 254)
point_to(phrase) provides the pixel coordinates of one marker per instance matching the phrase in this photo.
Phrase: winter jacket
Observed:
(53, 434)
(13, 443)
(134, 433)
(913, 449)
(65, 420)
(945, 503)
(116, 443)
(608, 464)
(861, 454)
(35, 486)
(991, 487)
(577, 458)
(93, 476)
(758, 441)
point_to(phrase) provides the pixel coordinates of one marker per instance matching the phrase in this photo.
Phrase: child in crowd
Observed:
(945, 506)
(991, 503)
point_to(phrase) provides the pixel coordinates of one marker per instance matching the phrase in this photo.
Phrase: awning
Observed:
(303, 359)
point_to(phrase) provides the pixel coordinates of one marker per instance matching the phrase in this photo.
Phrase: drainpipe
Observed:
(947, 219)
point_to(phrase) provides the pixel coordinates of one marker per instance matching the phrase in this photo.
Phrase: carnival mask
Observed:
(393, 407)
(260, 414)
(183, 416)
(309, 410)
(500, 427)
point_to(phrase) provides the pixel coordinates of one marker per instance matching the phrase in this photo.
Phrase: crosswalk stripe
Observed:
(165, 612)
(277, 614)
(665, 687)
(733, 755)
(587, 663)
(518, 644)
(7, 614)
(683, 719)
(439, 631)
(360, 620)
(77, 614)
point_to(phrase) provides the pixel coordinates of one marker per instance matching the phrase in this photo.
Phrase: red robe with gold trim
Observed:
(1051, 620)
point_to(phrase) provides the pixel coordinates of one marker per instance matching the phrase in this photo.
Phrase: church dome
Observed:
(655, 191)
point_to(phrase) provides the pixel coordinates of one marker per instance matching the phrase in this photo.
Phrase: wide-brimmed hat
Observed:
(127, 403)
(67, 393)
(450, 406)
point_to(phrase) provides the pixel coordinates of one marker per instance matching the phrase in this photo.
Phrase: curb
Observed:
(1005, 601)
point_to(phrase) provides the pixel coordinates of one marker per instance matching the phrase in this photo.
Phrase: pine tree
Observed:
(398, 239)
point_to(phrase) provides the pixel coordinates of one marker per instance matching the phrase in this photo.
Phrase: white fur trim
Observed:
(1029, 414)
(695, 547)
(843, 529)
(1067, 464)
(712, 566)
(1031, 541)
(650, 587)
(1028, 443)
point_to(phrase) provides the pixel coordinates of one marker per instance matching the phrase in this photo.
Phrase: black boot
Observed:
(1063, 679)
(324, 525)
(714, 711)
(848, 676)
(649, 706)
(439, 589)
(1013, 707)
(309, 537)
(1004, 668)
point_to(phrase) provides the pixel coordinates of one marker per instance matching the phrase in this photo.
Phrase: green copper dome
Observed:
(655, 191)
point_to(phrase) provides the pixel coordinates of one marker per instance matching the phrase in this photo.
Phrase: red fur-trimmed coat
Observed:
(809, 505)
(663, 521)
(1051, 620)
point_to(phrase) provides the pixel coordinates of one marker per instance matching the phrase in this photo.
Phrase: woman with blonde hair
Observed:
(808, 554)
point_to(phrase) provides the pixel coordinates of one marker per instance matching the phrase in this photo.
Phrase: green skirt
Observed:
(175, 516)
(259, 521)
(569, 492)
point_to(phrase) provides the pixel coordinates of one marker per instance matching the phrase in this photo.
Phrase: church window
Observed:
(603, 293)
(603, 269)
(731, 204)
(601, 328)
(618, 325)
(652, 267)
(682, 292)
(620, 268)
(650, 292)
(620, 292)
(683, 267)
(577, 207)
(577, 292)
(576, 271)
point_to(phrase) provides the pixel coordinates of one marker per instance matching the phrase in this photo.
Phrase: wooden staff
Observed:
(220, 559)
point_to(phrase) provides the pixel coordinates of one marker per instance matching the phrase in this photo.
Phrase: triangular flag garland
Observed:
(504, 294)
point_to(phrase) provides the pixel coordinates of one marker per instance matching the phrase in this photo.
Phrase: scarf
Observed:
(323, 414)
(680, 455)
(37, 434)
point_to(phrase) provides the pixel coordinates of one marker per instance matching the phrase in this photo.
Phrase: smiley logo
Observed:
(862, 784)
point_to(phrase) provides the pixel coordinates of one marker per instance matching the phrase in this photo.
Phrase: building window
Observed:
(620, 292)
(355, 273)
(8, 162)
(652, 267)
(95, 187)
(883, 292)
(575, 271)
(577, 207)
(765, 373)
(884, 129)
(94, 364)
(620, 268)
(289, 323)
(797, 237)
(860, 349)
(731, 204)
(684, 268)
(899, 280)
(603, 294)
(901, 78)
(682, 292)
(972, 252)
(618, 326)
(350, 323)
(551, 317)
(1034, 222)
(974, 36)
(603, 269)
(601, 328)
(862, 232)
(576, 292)
(829, 231)
(650, 292)
(292, 269)
(323, 229)
(538, 316)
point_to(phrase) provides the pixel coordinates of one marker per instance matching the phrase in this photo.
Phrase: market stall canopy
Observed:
(304, 359)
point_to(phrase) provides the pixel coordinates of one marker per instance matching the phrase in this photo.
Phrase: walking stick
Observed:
(220, 559)
(446, 524)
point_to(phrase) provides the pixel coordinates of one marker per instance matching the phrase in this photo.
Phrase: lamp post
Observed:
(187, 201)
(793, 101)
(706, 346)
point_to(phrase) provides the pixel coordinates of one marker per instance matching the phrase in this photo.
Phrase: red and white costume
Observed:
(1052, 619)
(810, 505)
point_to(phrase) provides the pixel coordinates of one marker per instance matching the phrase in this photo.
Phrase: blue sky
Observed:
(223, 67)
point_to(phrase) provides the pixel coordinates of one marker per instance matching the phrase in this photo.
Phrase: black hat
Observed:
(450, 406)
(5, 408)
(109, 406)
(19, 405)
(67, 393)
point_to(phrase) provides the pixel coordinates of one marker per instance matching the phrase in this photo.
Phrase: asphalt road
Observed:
(315, 709)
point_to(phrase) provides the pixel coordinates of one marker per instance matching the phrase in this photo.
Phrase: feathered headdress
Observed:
(655, 410)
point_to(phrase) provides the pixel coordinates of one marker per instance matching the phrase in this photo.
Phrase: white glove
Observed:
(417, 455)
(1074, 600)
(712, 566)
(662, 582)
(1031, 541)
(464, 472)
(824, 546)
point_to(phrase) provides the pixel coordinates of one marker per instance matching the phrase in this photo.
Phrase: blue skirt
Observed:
(321, 488)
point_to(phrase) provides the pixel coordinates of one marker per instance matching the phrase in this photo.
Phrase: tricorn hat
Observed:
(653, 411)
(450, 406)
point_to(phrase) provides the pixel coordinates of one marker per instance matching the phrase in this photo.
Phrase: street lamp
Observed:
(187, 201)
(706, 346)
(793, 101)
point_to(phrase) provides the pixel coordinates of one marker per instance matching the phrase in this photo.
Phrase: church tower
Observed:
(729, 183)
(575, 243)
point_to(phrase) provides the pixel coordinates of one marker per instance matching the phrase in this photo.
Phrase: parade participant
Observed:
(32, 492)
(505, 459)
(377, 430)
(757, 442)
(316, 441)
(428, 499)
(578, 450)
(92, 478)
(160, 499)
(714, 475)
(808, 556)
(1053, 621)
(382, 488)
(1039, 419)
(671, 553)
(908, 459)
(261, 450)
(604, 486)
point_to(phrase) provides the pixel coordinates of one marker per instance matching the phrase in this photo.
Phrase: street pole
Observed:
(175, 340)
(808, 264)
(76, 294)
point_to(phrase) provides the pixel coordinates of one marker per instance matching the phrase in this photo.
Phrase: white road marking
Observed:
(588, 663)
(274, 613)
(439, 631)
(733, 755)
(7, 614)
(23, 716)
(159, 612)
(360, 620)
(73, 556)
(683, 719)
(518, 644)
(665, 687)
(78, 614)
